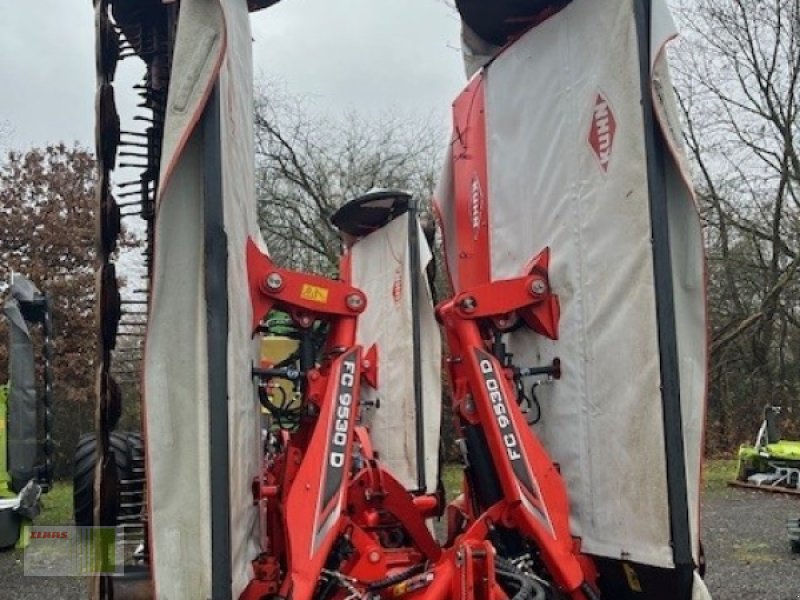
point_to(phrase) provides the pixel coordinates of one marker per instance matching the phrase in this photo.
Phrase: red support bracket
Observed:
(303, 295)
(529, 298)
(474, 559)
(369, 366)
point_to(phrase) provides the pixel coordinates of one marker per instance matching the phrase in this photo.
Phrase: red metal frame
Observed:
(470, 186)
(534, 497)
(326, 491)
(307, 496)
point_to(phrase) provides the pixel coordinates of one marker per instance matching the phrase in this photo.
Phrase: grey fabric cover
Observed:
(22, 385)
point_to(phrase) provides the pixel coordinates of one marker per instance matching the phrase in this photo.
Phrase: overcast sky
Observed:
(364, 55)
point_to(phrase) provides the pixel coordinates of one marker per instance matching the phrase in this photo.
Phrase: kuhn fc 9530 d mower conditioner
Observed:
(574, 331)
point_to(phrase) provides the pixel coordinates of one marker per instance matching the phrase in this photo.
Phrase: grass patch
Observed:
(718, 472)
(748, 551)
(56, 505)
(451, 478)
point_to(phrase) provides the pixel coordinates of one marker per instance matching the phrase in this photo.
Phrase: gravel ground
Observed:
(16, 586)
(747, 548)
(747, 552)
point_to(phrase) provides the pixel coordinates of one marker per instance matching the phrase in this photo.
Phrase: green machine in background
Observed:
(25, 411)
(772, 463)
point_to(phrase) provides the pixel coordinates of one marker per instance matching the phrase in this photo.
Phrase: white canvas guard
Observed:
(567, 170)
(241, 223)
(381, 269)
(213, 41)
(176, 391)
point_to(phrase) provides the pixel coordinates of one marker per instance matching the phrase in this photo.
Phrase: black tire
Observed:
(125, 447)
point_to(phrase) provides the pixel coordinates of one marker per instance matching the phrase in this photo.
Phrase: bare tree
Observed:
(308, 165)
(739, 80)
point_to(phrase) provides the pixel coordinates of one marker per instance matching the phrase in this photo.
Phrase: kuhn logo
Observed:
(476, 205)
(602, 131)
(397, 285)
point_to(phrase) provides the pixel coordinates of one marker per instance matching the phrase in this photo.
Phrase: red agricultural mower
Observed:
(338, 524)
(563, 166)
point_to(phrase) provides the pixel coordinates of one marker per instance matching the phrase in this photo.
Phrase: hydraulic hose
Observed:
(527, 587)
(397, 578)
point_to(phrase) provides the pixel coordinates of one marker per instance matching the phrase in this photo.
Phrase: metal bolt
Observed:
(538, 287)
(355, 302)
(374, 556)
(468, 304)
(274, 281)
(303, 319)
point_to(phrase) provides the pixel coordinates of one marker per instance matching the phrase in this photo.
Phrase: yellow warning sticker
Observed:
(633, 578)
(314, 293)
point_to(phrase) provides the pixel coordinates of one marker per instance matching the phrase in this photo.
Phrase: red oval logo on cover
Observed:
(602, 131)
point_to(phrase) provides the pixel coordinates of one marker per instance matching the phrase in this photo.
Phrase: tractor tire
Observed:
(126, 447)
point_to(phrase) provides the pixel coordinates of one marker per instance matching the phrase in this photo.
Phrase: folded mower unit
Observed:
(25, 412)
